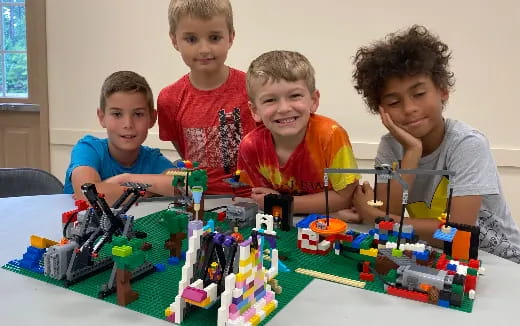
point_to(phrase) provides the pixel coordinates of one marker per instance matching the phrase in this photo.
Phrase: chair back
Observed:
(16, 182)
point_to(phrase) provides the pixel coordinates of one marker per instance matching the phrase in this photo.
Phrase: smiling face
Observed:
(284, 108)
(127, 119)
(415, 104)
(203, 43)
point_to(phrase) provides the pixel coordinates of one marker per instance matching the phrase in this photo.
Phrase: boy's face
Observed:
(127, 119)
(203, 44)
(284, 107)
(415, 104)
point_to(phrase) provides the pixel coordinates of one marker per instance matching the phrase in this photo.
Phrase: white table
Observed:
(25, 300)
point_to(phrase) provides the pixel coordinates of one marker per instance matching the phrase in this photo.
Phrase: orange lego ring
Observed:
(335, 226)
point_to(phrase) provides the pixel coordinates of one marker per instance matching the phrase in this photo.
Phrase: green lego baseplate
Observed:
(158, 290)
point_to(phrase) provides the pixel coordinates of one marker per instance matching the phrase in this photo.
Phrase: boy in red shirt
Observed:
(205, 113)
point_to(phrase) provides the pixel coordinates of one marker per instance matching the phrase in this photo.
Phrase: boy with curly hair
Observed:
(288, 152)
(405, 78)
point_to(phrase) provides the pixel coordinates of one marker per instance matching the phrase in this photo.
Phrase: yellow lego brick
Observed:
(268, 308)
(369, 252)
(243, 276)
(248, 292)
(167, 312)
(41, 243)
(245, 262)
(255, 320)
(121, 251)
(201, 304)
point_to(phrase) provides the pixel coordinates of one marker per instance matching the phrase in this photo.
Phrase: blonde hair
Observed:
(203, 9)
(125, 81)
(277, 65)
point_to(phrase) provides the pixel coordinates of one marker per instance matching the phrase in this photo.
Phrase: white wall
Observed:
(89, 39)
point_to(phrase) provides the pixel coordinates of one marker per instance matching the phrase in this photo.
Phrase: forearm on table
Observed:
(315, 203)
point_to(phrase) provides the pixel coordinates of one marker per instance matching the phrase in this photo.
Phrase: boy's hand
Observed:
(349, 215)
(362, 195)
(258, 195)
(407, 140)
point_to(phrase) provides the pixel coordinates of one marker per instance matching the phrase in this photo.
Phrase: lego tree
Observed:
(176, 224)
(127, 256)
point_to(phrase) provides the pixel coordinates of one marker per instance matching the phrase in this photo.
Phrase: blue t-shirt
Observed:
(93, 152)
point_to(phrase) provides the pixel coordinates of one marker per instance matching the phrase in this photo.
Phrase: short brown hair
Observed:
(277, 65)
(125, 81)
(415, 51)
(203, 9)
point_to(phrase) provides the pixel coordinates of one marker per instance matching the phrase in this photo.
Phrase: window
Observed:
(13, 54)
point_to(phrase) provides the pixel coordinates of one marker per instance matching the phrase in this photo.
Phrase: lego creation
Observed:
(226, 276)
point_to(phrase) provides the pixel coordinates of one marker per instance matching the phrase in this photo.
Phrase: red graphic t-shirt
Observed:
(326, 145)
(207, 126)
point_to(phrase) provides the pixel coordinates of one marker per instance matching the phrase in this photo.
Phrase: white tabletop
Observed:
(29, 300)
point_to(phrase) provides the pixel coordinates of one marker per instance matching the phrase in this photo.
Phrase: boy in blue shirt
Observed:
(126, 111)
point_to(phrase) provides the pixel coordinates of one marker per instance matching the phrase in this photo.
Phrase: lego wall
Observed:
(133, 35)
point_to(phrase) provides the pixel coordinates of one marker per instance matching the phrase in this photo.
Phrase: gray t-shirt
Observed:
(465, 151)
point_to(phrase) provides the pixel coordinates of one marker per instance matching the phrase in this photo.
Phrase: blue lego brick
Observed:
(407, 235)
(425, 255)
(173, 261)
(17, 262)
(445, 236)
(443, 303)
(259, 290)
(451, 267)
(304, 223)
(282, 267)
(372, 231)
(241, 304)
(260, 295)
(357, 241)
(160, 267)
(383, 237)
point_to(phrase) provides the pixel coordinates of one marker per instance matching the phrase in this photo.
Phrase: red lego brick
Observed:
(67, 215)
(474, 263)
(221, 216)
(470, 283)
(366, 277)
(366, 267)
(386, 225)
(413, 295)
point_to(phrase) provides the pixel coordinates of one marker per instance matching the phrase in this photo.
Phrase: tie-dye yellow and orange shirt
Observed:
(326, 145)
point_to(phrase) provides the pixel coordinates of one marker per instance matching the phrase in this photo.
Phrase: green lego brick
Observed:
(121, 251)
(158, 290)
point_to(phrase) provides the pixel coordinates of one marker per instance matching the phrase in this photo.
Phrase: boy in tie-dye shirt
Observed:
(288, 152)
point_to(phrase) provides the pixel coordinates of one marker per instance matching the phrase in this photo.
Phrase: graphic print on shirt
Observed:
(491, 238)
(216, 146)
(288, 184)
(494, 241)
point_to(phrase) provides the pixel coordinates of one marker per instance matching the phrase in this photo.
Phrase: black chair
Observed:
(16, 182)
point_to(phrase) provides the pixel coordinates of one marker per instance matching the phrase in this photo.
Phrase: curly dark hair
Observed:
(413, 52)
